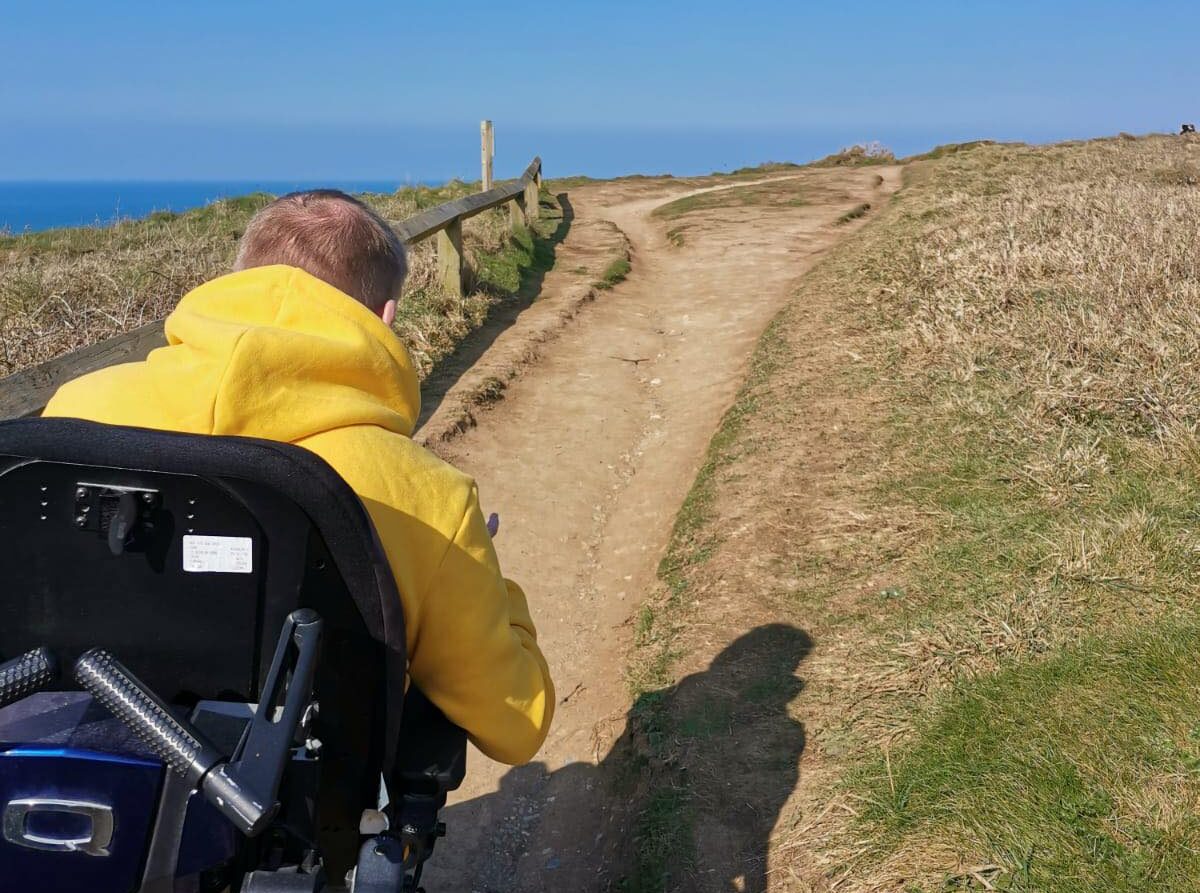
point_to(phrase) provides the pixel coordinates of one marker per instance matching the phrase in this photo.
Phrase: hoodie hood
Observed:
(273, 352)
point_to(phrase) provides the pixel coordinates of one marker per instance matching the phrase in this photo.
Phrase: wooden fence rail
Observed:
(27, 392)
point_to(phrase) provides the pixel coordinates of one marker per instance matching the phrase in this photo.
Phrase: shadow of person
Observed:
(686, 799)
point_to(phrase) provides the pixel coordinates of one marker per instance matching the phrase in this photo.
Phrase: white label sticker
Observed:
(218, 554)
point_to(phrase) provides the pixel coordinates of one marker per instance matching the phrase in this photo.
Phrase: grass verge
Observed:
(432, 322)
(782, 193)
(669, 720)
(63, 289)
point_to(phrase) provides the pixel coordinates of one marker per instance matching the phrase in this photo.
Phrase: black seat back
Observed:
(182, 555)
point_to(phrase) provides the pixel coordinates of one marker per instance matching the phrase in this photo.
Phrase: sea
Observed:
(183, 167)
(33, 205)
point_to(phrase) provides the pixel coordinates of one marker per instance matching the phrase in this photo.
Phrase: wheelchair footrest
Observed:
(381, 867)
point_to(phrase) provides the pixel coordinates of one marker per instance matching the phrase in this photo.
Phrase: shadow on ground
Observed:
(686, 799)
(503, 314)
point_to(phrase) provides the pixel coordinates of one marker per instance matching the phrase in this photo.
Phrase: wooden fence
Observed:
(27, 392)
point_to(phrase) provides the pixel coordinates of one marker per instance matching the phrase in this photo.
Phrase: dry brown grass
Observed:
(64, 289)
(1073, 274)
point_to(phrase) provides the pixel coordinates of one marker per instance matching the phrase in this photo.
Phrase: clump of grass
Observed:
(858, 155)
(63, 289)
(432, 322)
(664, 832)
(490, 391)
(614, 273)
(853, 214)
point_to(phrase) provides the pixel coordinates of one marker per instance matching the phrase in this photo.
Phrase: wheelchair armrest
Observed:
(431, 761)
(431, 758)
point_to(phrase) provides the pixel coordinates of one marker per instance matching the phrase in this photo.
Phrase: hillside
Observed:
(962, 474)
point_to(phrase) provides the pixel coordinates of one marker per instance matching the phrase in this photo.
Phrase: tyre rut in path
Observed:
(587, 460)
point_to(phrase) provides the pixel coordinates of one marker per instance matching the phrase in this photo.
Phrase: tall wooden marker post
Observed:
(487, 152)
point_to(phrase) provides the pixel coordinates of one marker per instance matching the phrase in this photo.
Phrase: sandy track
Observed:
(587, 460)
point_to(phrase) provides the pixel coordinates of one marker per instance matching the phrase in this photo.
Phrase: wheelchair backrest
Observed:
(182, 555)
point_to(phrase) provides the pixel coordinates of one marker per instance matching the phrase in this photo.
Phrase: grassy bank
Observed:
(969, 473)
(1046, 350)
(63, 289)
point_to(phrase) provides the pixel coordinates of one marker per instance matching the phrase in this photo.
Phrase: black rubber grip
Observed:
(148, 717)
(22, 676)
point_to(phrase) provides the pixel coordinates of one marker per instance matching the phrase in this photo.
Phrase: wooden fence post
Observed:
(450, 257)
(531, 200)
(487, 151)
(516, 212)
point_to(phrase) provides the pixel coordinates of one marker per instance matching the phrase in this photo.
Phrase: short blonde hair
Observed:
(332, 236)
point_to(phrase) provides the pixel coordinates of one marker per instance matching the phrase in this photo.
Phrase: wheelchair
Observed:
(205, 687)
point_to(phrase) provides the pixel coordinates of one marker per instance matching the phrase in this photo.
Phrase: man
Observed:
(296, 346)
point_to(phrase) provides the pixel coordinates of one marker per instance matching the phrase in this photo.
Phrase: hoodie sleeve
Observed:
(476, 654)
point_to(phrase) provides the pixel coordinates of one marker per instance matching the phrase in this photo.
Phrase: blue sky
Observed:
(222, 89)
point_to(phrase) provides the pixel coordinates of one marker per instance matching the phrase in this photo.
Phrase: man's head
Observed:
(334, 237)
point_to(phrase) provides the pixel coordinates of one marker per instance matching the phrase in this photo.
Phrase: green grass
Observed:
(441, 320)
(758, 170)
(576, 181)
(1070, 759)
(502, 270)
(614, 273)
(688, 204)
(568, 183)
(1074, 774)
(664, 833)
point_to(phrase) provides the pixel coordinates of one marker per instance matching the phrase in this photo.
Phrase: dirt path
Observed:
(587, 460)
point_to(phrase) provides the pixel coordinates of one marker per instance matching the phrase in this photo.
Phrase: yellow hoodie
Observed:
(276, 353)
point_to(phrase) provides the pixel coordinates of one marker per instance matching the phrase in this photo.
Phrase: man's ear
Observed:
(388, 313)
